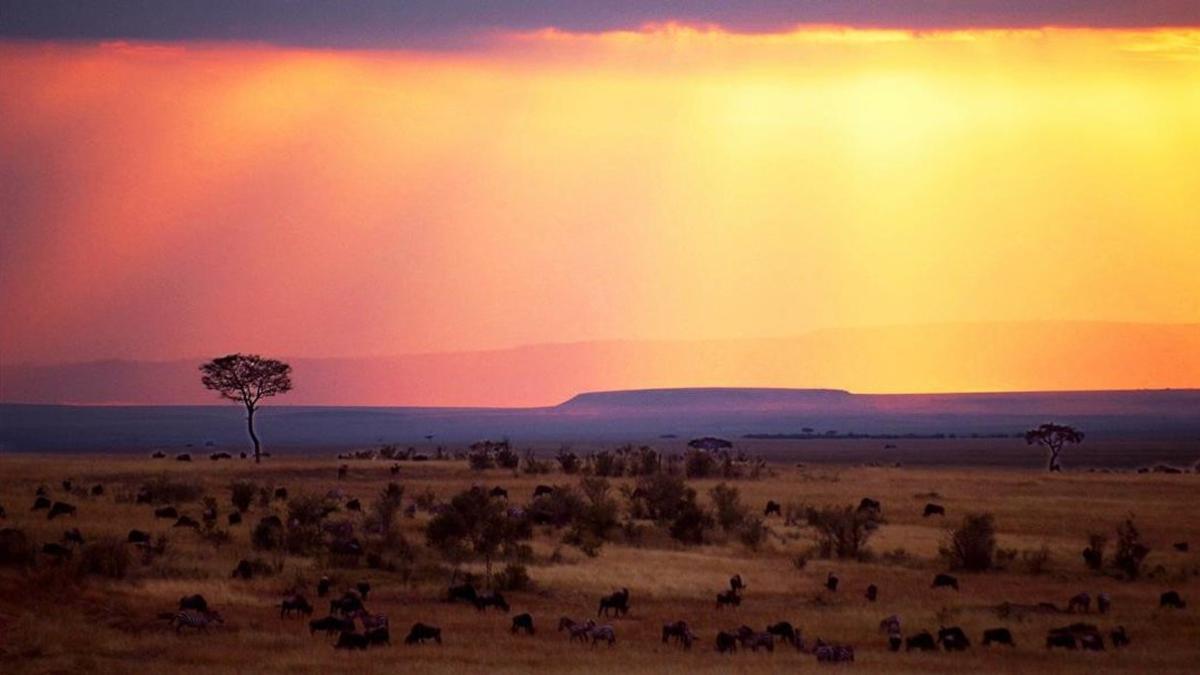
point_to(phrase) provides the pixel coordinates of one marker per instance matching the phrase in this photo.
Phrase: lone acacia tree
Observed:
(247, 379)
(1053, 437)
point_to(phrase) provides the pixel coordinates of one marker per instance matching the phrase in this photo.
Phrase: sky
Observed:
(318, 179)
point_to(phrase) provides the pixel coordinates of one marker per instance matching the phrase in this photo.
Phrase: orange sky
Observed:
(193, 199)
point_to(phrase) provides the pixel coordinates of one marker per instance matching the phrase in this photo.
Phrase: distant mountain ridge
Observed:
(981, 357)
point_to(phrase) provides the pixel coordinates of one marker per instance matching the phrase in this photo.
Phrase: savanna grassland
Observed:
(54, 618)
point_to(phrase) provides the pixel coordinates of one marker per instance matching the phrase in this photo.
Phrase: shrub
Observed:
(1036, 560)
(584, 540)
(309, 510)
(425, 500)
(567, 461)
(512, 578)
(699, 464)
(536, 467)
(972, 546)
(384, 509)
(690, 522)
(642, 461)
(16, 550)
(1130, 553)
(267, 535)
(605, 463)
(164, 490)
(842, 532)
(661, 497)
(242, 494)
(1093, 555)
(753, 533)
(559, 508)
(507, 458)
(729, 509)
(107, 557)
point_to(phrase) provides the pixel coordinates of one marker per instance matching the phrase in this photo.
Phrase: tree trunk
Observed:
(487, 561)
(253, 436)
(1054, 465)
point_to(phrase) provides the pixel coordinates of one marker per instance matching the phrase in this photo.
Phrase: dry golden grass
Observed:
(49, 623)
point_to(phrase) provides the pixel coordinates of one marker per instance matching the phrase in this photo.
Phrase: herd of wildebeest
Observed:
(356, 628)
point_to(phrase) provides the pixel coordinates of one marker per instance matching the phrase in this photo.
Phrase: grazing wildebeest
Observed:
(364, 588)
(97, 490)
(934, 510)
(234, 518)
(158, 454)
(1103, 603)
(492, 599)
(831, 581)
(785, 631)
(617, 601)
(1094, 558)
(895, 640)
(679, 632)
(379, 636)
(753, 640)
(868, 504)
(60, 509)
(41, 491)
(953, 639)
(542, 490)
(244, 570)
(138, 537)
(183, 457)
(736, 583)
(348, 604)
(891, 624)
(421, 632)
(40, 503)
(726, 642)
(772, 507)
(872, 593)
(1119, 637)
(194, 618)
(281, 493)
(354, 505)
(1081, 601)
(827, 653)
(56, 551)
(73, 536)
(606, 633)
(220, 455)
(1092, 642)
(922, 641)
(1000, 636)
(499, 492)
(296, 603)
(371, 621)
(465, 592)
(728, 598)
(349, 640)
(66, 485)
(330, 625)
(1181, 546)
(187, 521)
(945, 581)
(523, 622)
(1171, 599)
(323, 586)
(166, 512)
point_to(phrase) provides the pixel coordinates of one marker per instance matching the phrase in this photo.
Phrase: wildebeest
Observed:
(3, 514)
(61, 509)
(198, 619)
(726, 642)
(895, 640)
(348, 604)
(138, 537)
(492, 599)
(1093, 558)
(40, 503)
(606, 633)
(499, 492)
(364, 588)
(827, 653)
(281, 493)
(617, 601)
(736, 583)
(56, 551)
(41, 491)
(1171, 599)
(220, 455)
(349, 640)
(1181, 546)
(73, 536)
(66, 485)
(523, 622)
(872, 593)
(166, 512)
(323, 586)
(1119, 637)
(1000, 636)
(296, 603)
(728, 598)
(953, 639)
(678, 631)
(330, 625)
(1081, 601)
(187, 521)
(772, 507)
(465, 592)
(945, 581)
(753, 640)
(934, 510)
(1103, 603)
(244, 570)
(922, 641)
(891, 624)
(787, 632)
(421, 632)
(379, 636)
(869, 505)
(577, 630)
(354, 505)
(542, 490)
(183, 457)
(831, 581)
(234, 518)
(1093, 642)
(371, 621)
(97, 490)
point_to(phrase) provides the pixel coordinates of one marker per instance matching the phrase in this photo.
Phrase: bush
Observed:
(661, 497)
(699, 464)
(164, 490)
(309, 510)
(512, 578)
(841, 532)
(1130, 553)
(267, 535)
(425, 500)
(559, 508)
(567, 461)
(601, 512)
(108, 557)
(16, 550)
(605, 463)
(1093, 555)
(536, 467)
(972, 546)
(242, 494)
(753, 533)
(507, 458)
(727, 502)
(384, 509)
(690, 522)
(1036, 560)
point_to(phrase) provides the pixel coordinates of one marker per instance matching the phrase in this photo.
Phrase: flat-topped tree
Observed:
(1053, 437)
(247, 379)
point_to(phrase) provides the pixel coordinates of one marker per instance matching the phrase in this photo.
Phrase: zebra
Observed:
(578, 630)
(197, 619)
(604, 632)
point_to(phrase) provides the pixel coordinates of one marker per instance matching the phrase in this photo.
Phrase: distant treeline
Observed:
(888, 437)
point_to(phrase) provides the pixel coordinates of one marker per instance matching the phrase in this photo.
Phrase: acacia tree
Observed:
(475, 524)
(247, 379)
(1053, 437)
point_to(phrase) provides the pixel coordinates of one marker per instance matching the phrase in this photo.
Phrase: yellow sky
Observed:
(665, 183)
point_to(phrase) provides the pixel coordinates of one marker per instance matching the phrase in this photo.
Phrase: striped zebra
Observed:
(193, 618)
(370, 621)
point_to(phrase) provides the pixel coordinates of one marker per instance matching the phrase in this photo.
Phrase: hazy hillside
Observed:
(932, 358)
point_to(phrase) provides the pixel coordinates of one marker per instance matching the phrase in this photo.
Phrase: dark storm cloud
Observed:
(431, 23)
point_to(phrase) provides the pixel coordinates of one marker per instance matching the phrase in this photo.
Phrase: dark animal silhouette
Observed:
(354, 505)
(578, 630)
(364, 589)
(57, 551)
(1171, 599)
(934, 510)
(523, 622)
(196, 602)
(234, 518)
(785, 631)
(41, 491)
(831, 582)
(1103, 603)
(323, 586)
(166, 512)
(945, 581)
(773, 507)
(142, 497)
(827, 653)
(1000, 636)
(1093, 558)
(1119, 637)
(342, 471)
(296, 603)
(348, 640)
(66, 485)
(186, 521)
(348, 604)
(492, 599)
(542, 490)
(736, 583)
(753, 640)
(605, 633)
(158, 454)
(138, 537)
(1081, 602)
(97, 490)
(40, 503)
(726, 642)
(1092, 642)
(61, 509)
(869, 505)
(3, 513)
(421, 632)
(617, 602)
(220, 455)
(379, 636)
(243, 570)
(183, 457)
(728, 598)
(73, 536)
(922, 641)
(499, 492)
(1181, 546)
(679, 632)
(395, 469)
(464, 592)
(895, 641)
(953, 639)
(872, 593)
(281, 493)
(330, 625)
(191, 618)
